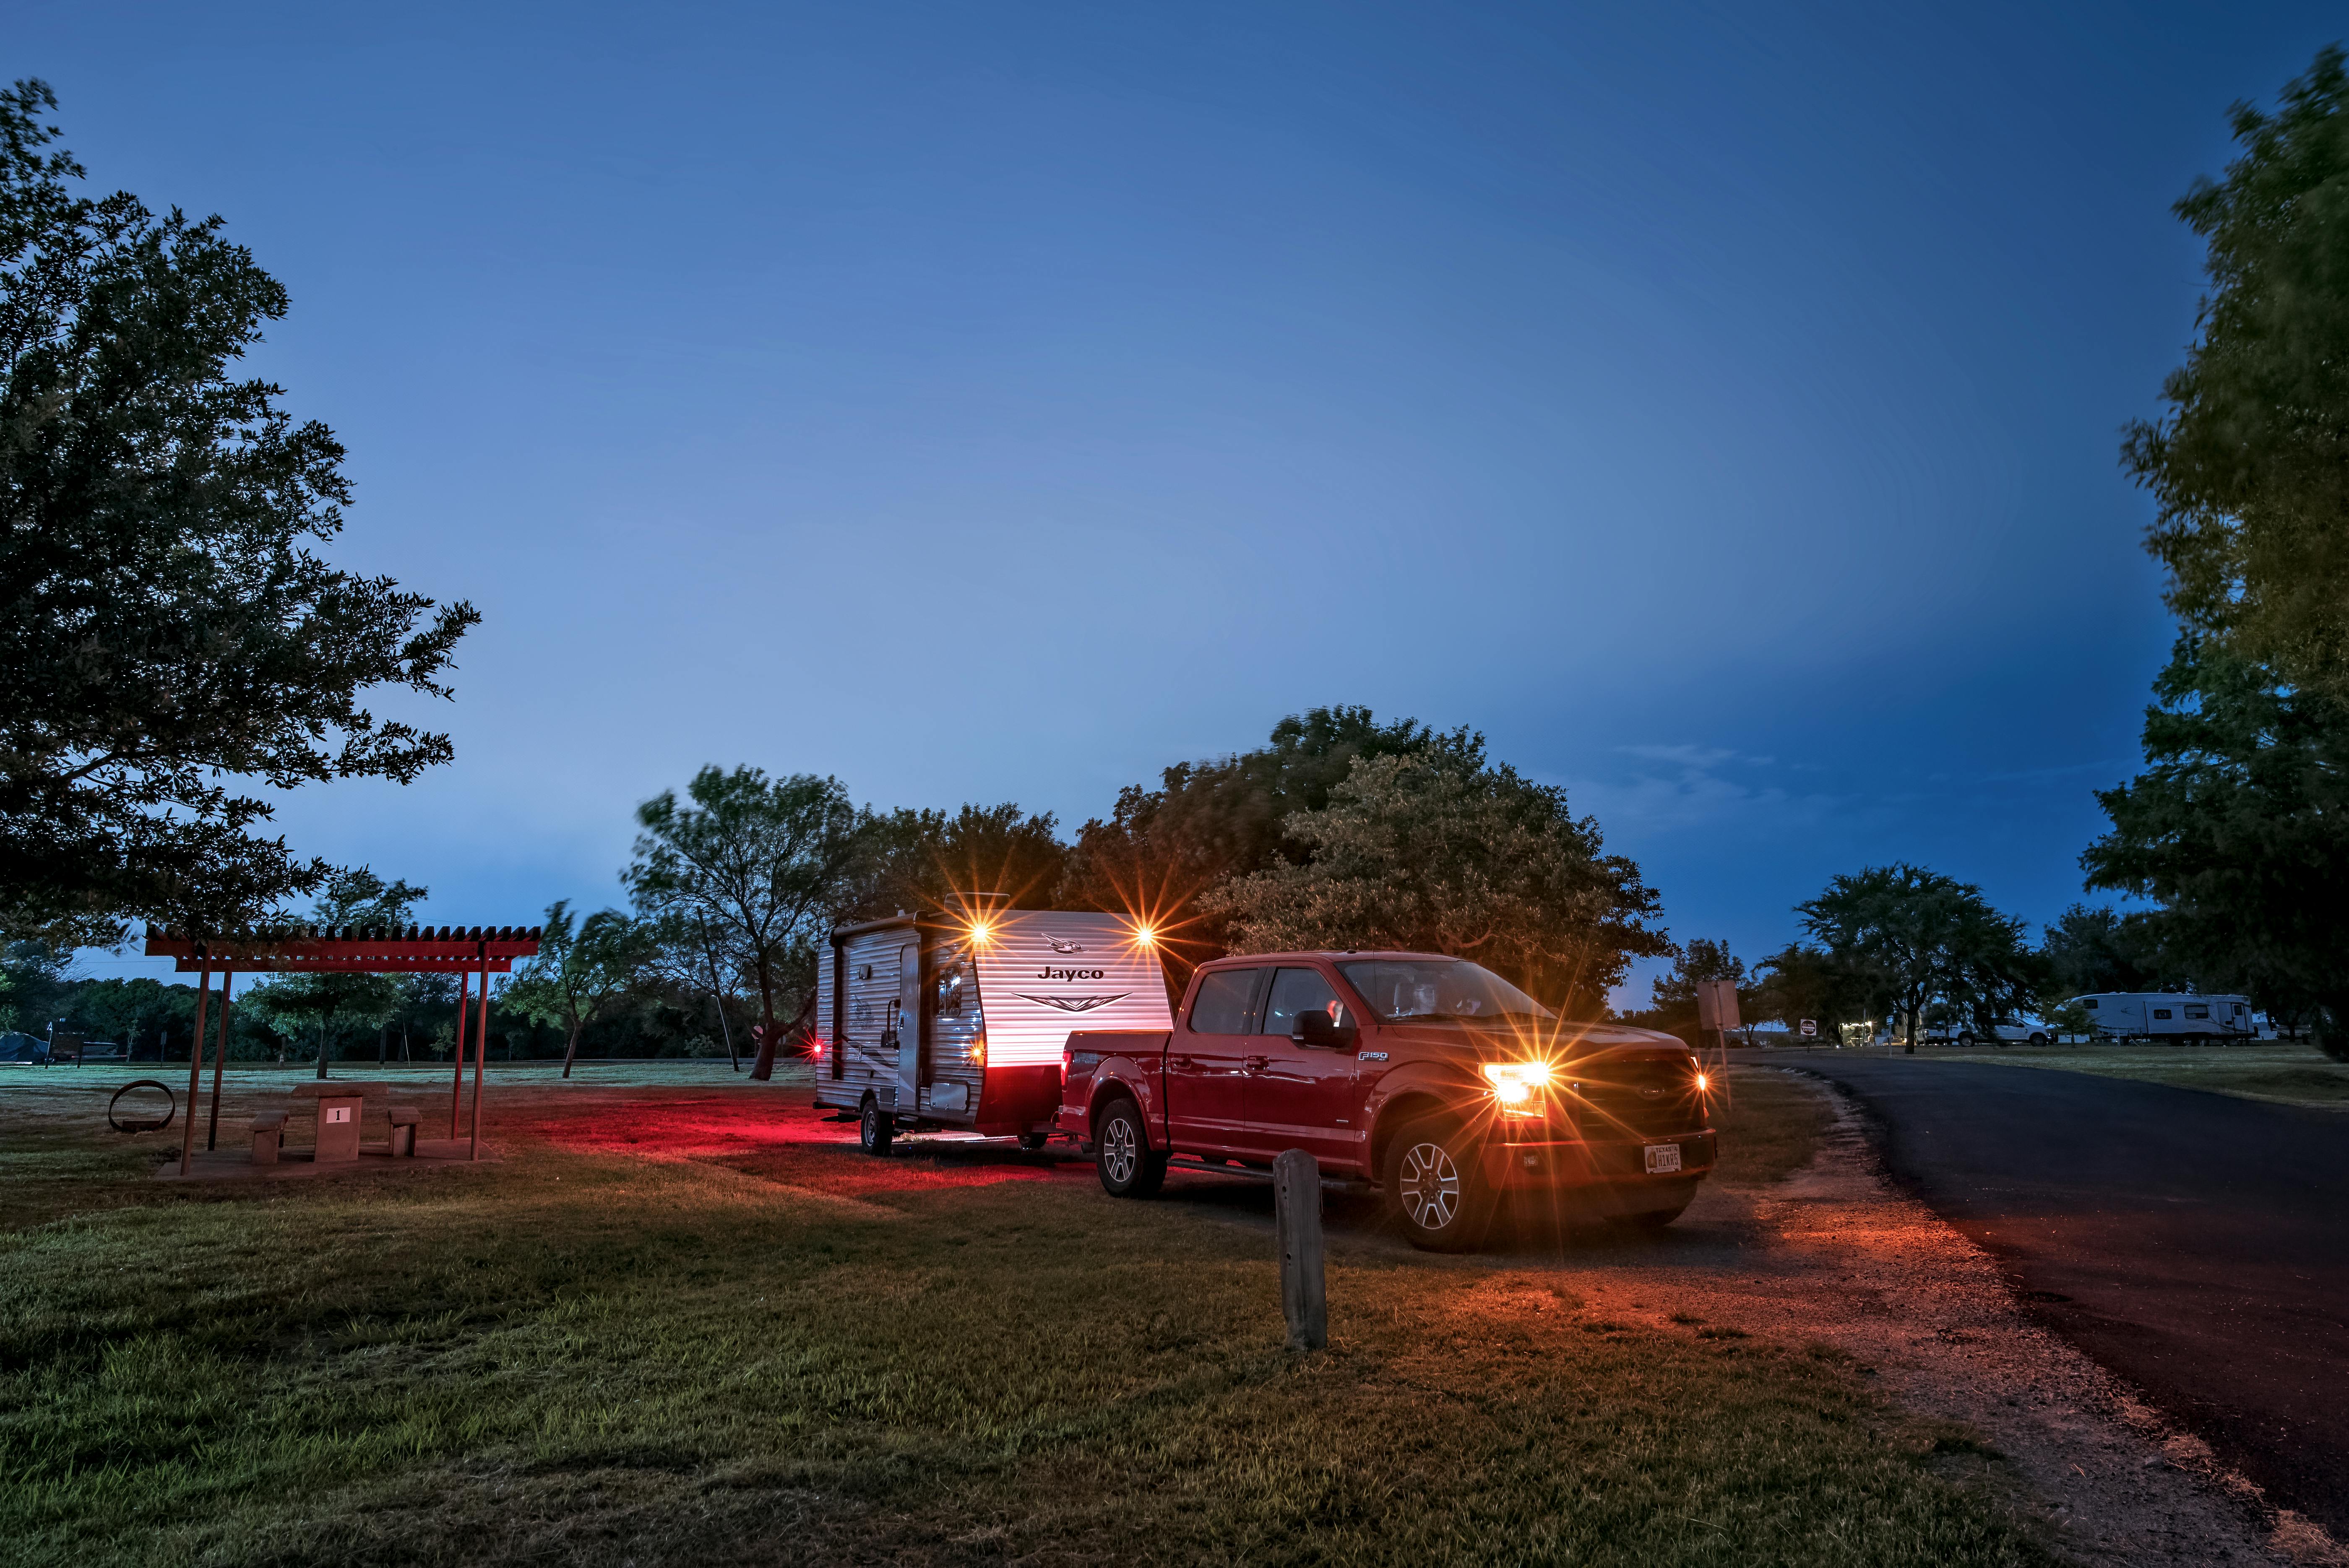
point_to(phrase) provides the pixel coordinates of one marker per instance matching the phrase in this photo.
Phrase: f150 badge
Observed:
(1369, 1055)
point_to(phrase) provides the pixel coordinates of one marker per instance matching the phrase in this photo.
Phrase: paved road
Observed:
(2196, 1245)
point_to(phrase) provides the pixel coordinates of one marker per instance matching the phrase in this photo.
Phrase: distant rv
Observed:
(2166, 1014)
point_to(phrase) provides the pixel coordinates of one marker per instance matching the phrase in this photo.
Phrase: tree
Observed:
(2246, 465)
(2092, 950)
(765, 861)
(1924, 938)
(1445, 853)
(1671, 996)
(580, 973)
(2239, 828)
(1160, 850)
(295, 1003)
(168, 629)
(1798, 982)
(922, 860)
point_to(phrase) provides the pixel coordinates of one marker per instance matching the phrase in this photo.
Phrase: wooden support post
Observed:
(220, 1055)
(196, 1061)
(480, 1050)
(1304, 1288)
(457, 1091)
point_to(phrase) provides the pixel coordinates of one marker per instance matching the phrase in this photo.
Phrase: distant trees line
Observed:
(1908, 946)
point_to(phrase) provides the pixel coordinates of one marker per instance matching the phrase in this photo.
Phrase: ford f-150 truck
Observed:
(1428, 1076)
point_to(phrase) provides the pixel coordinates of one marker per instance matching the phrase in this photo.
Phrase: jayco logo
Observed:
(1069, 975)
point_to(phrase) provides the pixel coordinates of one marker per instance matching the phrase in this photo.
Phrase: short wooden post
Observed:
(1304, 1289)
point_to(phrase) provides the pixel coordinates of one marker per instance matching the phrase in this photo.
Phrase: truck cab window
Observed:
(1296, 991)
(1223, 1006)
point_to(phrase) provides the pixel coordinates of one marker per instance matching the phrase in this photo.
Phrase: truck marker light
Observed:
(1143, 936)
(981, 933)
(1700, 1083)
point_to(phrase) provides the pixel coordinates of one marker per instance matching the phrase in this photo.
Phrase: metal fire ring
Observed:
(171, 1109)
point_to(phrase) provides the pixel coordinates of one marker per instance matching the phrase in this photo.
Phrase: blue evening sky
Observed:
(1715, 405)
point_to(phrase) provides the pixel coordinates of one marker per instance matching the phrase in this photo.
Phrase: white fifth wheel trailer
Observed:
(2170, 1014)
(957, 1020)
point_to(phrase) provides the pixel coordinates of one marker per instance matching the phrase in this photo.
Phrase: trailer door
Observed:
(909, 1026)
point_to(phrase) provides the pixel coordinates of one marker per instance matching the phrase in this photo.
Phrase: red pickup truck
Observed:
(1430, 1075)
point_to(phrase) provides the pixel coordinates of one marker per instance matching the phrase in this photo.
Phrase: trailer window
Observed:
(2197, 1012)
(1223, 1005)
(2161, 1012)
(949, 995)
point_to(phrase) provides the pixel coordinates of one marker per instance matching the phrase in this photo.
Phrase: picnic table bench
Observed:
(340, 1106)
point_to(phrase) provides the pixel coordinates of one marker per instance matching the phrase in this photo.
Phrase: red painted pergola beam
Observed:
(467, 951)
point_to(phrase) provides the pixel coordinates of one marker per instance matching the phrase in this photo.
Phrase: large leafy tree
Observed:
(1450, 854)
(1160, 850)
(922, 860)
(2250, 463)
(166, 628)
(764, 861)
(2101, 949)
(325, 1001)
(1924, 939)
(2239, 828)
(585, 968)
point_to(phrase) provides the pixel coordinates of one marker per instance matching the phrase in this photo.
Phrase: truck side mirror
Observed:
(1316, 1028)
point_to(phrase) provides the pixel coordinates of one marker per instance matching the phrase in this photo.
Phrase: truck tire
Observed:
(874, 1130)
(1436, 1187)
(1123, 1157)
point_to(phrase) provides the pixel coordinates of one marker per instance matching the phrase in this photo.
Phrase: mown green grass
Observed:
(2287, 1072)
(583, 1357)
(1770, 1125)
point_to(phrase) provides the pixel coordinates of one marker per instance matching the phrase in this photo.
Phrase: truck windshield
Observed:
(1400, 988)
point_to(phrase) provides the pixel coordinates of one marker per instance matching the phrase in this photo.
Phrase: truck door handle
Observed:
(1257, 1064)
(1178, 1064)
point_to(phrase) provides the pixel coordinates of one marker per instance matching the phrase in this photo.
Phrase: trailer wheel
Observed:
(1122, 1156)
(1436, 1187)
(874, 1130)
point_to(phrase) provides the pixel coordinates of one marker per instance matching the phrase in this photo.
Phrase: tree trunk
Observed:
(322, 1048)
(570, 1049)
(725, 1029)
(382, 1044)
(764, 1067)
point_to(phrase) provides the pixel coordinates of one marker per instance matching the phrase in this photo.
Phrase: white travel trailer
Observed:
(2172, 1015)
(957, 1020)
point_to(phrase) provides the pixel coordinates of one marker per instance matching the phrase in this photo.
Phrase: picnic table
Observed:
(340, 1106)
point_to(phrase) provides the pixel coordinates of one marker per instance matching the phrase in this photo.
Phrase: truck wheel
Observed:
(874, 1130)
(1122, 1156)
(1435, 1186)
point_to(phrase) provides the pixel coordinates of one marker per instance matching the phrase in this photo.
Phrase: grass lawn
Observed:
(2287, 1072)
(646, 1338)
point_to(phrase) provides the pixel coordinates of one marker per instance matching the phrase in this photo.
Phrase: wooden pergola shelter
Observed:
(456, 950)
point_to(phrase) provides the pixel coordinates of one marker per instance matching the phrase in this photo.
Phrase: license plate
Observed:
(1663, 1158)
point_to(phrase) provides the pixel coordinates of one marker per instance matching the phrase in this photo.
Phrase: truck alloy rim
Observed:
(1117, 1150)
(1430, 1186)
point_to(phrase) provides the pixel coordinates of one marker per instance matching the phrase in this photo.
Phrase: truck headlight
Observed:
(1514, 1083)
